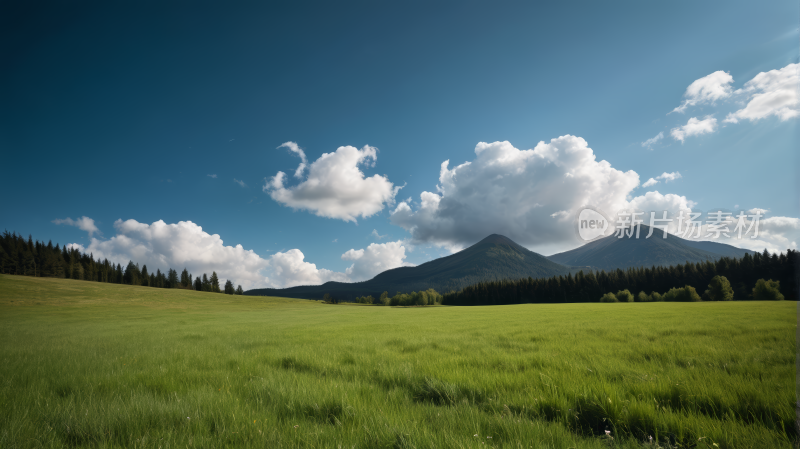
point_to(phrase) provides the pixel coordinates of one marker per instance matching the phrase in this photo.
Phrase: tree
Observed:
(198, 284)
(229, 287)
(214, 282)
(131, 275)
(239, 290)
(172, 278)
(767, 291)
(205, 285)
(186, 281)
(719, 289)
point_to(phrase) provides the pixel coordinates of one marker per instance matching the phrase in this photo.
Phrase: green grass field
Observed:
(97, 365)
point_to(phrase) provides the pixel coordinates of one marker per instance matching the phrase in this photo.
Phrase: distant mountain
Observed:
(612, 252)
(493, 258)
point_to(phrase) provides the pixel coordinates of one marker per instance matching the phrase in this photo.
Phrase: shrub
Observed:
(767, 291)
(609, 297)
(624, 296)
(685, 294)
(643, 297)
(719, 289)
(656, 296)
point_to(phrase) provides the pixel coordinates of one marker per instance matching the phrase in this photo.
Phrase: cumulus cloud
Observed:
(376, 258)
(375, 234)
(84, 224)
(186, 245)
(241, 183)
(526, 195)
(653, 140)
(180, 245)
(655, 201)
(298, 173)
(776, 234)
(773, 93)
(707, 89)
(336, 187)
(289, 269)
(694, 127)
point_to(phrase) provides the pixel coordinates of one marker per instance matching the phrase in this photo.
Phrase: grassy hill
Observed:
(493, 258)
(98, 365)
(610, 253)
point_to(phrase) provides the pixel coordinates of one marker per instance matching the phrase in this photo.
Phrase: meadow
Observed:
(88, 364)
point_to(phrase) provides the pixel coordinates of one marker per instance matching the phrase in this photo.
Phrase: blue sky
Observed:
(115, 111)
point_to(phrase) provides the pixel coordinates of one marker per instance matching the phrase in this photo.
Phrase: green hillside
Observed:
(89, 364)
(493, 258)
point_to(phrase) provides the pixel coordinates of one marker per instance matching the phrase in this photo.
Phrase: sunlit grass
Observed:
(88, 364)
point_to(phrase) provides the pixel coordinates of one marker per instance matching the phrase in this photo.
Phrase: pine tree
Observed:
(186, 281)
(214, 282)
(239, 290)
(229, 290)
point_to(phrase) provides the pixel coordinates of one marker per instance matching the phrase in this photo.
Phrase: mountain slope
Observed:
(609, 253)
(493, 258)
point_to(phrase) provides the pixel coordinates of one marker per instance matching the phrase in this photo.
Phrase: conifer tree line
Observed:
(28, 258)
(762, 274)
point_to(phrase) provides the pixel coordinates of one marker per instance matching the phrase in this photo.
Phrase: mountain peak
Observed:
(497, 239)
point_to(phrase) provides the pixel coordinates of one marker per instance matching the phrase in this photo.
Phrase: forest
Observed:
(746, 275)
(34, 258)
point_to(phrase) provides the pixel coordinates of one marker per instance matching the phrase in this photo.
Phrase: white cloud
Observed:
(298, 173)
(650, 182)
(667, 177)
(707, 89)
(212, 176)
(375, 234)
(186, 245)
(655, 201)
(336, 187)
(241, 183)
(770, 93)
(376, 258)
(653, 140)
(83, 223)
(526, 195)
(288, 269)
(775, 234)
(694, 127)
(181, 245)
